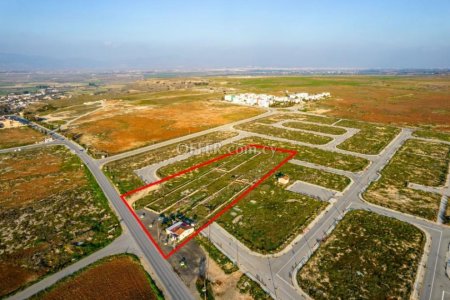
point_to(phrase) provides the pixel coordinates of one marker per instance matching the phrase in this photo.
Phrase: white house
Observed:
(179, 231)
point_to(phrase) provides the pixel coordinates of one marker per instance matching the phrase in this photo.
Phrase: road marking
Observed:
(443, 294)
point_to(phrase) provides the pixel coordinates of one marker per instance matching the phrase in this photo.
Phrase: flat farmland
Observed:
(147, 118)
(371, 139)
(419, 162)
(52, 213)
(121, 172)
(411, 100)
(367, 256)
(19, 136)
(115, 277)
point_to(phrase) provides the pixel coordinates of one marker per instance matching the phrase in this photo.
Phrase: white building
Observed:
(179, 231)
(264, 100)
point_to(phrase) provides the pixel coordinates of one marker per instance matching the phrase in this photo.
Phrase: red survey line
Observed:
(292, 153)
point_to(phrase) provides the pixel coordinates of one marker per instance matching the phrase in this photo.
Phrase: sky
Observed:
(196, 34)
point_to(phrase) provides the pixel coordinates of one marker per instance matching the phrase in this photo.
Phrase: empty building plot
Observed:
(19, 136)
(121, 172)
(298, 117)
(294, 135)
(201, 193)
(326, 180)
(316, 128)
(417, 162)
(314, 155)
(432, 134)
(367, 256)
(371, 139)
(256, 219)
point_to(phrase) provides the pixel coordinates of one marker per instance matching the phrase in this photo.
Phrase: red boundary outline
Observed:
(292, 153)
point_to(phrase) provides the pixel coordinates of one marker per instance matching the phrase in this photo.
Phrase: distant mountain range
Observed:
(10, 62)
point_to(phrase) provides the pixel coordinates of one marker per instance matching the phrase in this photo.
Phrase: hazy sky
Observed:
(228, 33)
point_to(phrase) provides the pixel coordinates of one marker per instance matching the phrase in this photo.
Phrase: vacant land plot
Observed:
(256, 219)
(316, 128)
(19, 136)
(115, 277)
(298, 136)
(419, 162)
(321, 178)
(316, 156)
(52, 212)
(121, 172)
(143, 119)
(371, 139)
(248, 286)
(221, 259)
(310, 175)
(367, 256)
(200, 194)
(298, 117)
(435, 135)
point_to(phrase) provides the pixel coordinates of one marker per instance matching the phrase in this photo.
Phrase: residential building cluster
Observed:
(265, 100)
(17, 101)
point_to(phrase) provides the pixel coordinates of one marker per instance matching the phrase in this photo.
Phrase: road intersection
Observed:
(276, 273)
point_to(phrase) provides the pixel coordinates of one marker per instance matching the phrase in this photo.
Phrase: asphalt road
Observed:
(276, 273)
(172, 285)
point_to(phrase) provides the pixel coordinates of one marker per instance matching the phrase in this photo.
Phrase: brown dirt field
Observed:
(12, 277)
(421, 101)
(34, 176)
(126, 127)
(225, 285)
(20, 136)
(117, 278)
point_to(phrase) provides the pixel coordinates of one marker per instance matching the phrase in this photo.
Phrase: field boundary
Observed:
(291, 155)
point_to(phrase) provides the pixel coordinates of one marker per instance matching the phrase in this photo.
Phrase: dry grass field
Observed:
(19, 136)
(367, 256)
(420, 100)
(118, 277)
(418, 162)
(144, 119)
(52, 213)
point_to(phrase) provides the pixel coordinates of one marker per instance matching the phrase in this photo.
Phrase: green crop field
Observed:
(367, 256)
(371, 139)
(419, 162)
